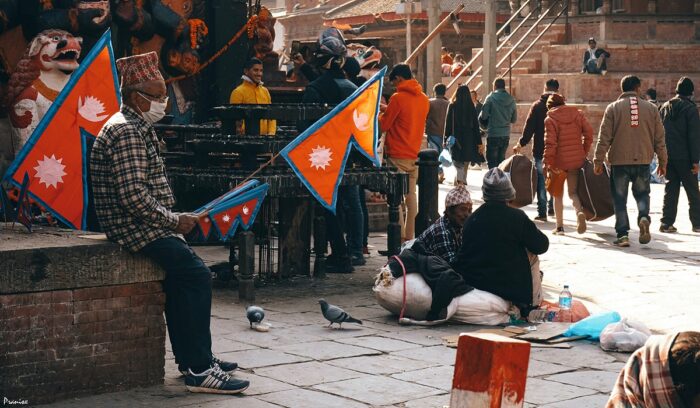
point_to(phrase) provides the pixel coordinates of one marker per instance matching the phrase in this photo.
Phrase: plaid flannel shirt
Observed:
(646, 380)
(131, 192)
(443, 239)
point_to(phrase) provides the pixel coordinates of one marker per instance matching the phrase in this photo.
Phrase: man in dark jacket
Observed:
(499, 244)
(534, 126)
(332, 87)
(682, 125)
(500, 112)
(595, 59)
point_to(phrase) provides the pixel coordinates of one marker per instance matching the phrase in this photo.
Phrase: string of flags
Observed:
(52, 167)
(225, 214)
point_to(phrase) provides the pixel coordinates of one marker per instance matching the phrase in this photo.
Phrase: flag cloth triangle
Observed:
(239, 210)
(319, 154)
(56, 155)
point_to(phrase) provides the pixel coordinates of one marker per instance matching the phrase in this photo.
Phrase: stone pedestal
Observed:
(78, 316)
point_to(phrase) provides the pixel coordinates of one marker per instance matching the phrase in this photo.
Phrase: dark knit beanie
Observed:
(685, 87)
(497, 186)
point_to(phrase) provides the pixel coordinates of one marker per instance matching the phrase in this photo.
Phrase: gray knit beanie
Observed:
(497, 186)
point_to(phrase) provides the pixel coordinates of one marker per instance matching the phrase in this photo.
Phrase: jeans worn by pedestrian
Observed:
(620, 179)
(187, 287)
(462, 168)
(677, 173)
(496, 150)
(541, 189)
(435, 143)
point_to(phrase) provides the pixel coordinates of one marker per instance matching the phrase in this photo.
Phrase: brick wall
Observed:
(65, 343)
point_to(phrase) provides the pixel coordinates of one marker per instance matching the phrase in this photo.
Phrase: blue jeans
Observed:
(435, 143)
(541, 190)
(496, 150)
(187, 289)
(620, 179)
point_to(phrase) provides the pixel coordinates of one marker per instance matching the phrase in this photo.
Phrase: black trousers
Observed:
(187, 288)
(677, 173)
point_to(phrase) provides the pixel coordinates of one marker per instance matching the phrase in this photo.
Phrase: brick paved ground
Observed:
(300, 363)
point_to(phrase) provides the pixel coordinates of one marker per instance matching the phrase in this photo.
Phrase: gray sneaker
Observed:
(622, 242)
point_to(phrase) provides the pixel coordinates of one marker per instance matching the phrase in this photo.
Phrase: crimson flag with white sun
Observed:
(318, 155)
(55, 156)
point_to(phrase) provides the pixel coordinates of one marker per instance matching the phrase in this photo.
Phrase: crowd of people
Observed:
(494, 247)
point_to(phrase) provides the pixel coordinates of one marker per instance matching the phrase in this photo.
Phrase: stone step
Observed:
(586, 88)
(624, 57)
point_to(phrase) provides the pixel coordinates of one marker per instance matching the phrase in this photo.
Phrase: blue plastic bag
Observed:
(593, 325)
(451, 140)
(445, 158)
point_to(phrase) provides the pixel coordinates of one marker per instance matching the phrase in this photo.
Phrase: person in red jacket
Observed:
(567, 139)
(403, 120)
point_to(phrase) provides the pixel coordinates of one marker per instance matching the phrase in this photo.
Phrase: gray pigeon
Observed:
(334, 314)
(255, 314)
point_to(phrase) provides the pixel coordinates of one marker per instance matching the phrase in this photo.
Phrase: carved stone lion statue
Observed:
(41, 74)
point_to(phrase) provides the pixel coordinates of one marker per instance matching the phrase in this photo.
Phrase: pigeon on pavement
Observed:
(255, 314)
(334, 314)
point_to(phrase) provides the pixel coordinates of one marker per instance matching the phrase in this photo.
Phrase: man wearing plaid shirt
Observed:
(133, 201)
(444, 237)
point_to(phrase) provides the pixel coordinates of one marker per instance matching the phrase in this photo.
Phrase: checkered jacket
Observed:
(131, 192)
(646, 380)
(443, 239)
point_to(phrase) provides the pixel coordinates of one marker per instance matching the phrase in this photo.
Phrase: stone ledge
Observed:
(54, 259)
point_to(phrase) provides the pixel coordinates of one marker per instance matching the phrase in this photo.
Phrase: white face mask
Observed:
(156, 111)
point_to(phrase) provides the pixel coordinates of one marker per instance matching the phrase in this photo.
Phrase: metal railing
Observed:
(564, 9)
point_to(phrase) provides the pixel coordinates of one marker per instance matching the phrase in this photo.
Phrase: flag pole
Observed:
(433, 34)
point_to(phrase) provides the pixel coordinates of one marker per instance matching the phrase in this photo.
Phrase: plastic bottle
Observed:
(565, 299)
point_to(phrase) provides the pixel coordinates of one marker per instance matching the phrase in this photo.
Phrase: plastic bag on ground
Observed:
(592, 326)
(626, 335)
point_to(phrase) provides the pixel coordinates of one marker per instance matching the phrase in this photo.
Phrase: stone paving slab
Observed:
(274, 337)
(378, 390)
(436, 354)
(423, 337)
(326, 350)
(590, 401)
(261, 358)
(384, 344)
(437, 401)
(540, 392)
(597, 380)
(581, 355)
(261, 384)
(439, 377)
(538, 368)
(307, 374)
(380, 365)
(241, 402)
(224, 345)
(299, 397)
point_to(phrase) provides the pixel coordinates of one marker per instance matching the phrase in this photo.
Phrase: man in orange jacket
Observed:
(403, 120)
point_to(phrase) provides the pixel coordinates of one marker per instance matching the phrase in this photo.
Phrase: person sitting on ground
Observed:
(595, 59)
(665, 372)
(500, 244)
(567, 139)
(458, 65)
(250, 92)
(444, 237)
(445, 57)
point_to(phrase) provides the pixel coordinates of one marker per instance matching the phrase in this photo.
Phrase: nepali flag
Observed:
(56, 155)
(318, 155)
(223, 215)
